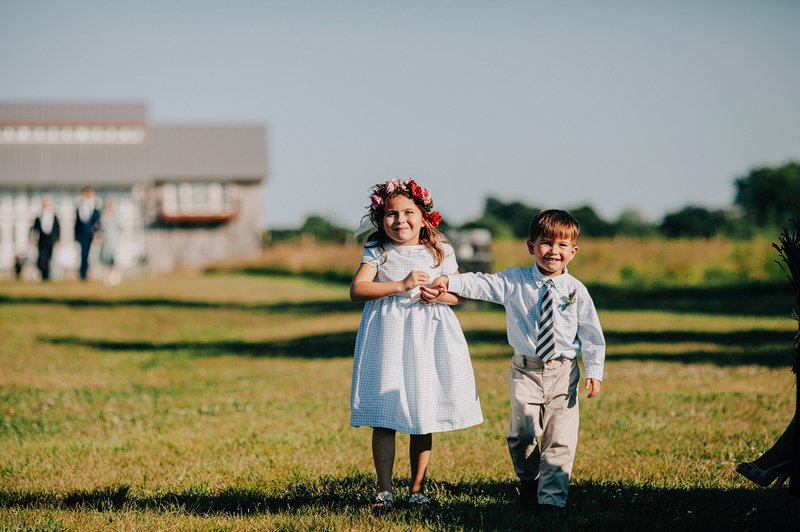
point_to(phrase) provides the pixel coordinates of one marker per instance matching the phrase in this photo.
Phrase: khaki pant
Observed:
(544, 406)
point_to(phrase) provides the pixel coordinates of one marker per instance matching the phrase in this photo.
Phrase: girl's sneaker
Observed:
(418, 500)
(383, 501)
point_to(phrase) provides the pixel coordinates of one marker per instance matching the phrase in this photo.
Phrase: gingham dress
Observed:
(411, 370)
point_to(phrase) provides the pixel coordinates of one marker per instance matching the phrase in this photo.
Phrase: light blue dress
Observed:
(411, 370)
(111, 233)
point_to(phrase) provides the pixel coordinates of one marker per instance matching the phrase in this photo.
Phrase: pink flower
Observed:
(408, 187)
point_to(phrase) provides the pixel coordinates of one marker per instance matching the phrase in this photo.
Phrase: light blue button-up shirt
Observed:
(520, 291)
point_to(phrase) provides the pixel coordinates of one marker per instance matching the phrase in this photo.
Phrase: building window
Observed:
(197, 202)
(22, 134)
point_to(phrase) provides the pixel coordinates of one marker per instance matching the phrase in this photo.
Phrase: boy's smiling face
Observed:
(552, 254)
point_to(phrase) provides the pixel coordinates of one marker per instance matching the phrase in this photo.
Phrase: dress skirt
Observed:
(411, 370)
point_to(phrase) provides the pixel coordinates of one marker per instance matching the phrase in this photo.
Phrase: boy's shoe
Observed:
(528, 493)
(550, 511)
(383, 502)
(418, 500)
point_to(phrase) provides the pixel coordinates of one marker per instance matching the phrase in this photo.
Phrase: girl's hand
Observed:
(428, 295)
(415, 279)
(440, 283)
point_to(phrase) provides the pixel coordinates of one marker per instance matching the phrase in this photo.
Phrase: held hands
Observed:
(415, 279)
(440, 283)
(365, 287)
(420, 279)
(593, 385)
(428, 295)
(431, 294)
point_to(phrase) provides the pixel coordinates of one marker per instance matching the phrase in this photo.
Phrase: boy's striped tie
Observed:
(546, 342)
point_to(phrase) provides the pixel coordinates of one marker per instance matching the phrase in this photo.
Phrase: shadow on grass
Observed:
(767, 299)
(773, 299)
(470, 505)
(337, 277)
(757, 346)
(289, 307)
(751, 337)
(762, 347)
(330, 345)
(763, 299)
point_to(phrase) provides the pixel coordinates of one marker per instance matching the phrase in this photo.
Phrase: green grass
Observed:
(222, 402)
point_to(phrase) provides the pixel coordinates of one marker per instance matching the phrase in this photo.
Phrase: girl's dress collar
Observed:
(407, 250)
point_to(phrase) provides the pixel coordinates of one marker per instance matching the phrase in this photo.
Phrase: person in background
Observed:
(87, 223)
(775, 464)
(19, 263)
(109, 247)
(47, 231)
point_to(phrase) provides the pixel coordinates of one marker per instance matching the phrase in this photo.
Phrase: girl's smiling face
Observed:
(402, 220)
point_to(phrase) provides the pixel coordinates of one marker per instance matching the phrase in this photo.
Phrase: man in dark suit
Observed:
(87, 222)
(47, 231)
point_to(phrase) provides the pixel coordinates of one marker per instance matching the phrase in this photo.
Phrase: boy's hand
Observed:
(440, 283)
(594, 384)
(428, 295)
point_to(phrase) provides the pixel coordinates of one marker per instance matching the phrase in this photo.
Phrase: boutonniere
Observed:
(570, 300)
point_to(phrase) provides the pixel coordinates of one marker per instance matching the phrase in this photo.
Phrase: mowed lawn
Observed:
(222, 402)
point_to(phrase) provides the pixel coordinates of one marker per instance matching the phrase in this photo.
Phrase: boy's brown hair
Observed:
(554, 223)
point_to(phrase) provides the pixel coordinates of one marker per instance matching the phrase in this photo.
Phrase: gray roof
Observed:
(174, 152)
(68, 113)
(233, 152)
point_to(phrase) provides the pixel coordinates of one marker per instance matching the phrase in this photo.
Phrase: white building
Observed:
(187, 195)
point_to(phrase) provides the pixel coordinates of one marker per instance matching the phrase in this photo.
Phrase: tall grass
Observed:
(335, 262)
(660, 262)
(613, 261)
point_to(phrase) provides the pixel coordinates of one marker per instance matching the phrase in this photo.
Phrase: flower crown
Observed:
(410, 188)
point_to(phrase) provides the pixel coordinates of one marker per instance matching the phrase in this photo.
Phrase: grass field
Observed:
(222, 402)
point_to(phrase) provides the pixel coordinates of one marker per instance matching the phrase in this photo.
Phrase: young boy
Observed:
(550, 319)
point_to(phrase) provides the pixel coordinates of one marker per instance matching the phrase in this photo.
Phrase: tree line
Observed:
(766, 199)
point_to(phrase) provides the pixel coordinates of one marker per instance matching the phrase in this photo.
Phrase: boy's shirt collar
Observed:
(539, 278)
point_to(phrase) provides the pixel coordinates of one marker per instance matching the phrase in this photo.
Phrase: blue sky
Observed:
(616, 104)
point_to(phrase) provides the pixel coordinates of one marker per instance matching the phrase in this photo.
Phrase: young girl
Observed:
(411, 371)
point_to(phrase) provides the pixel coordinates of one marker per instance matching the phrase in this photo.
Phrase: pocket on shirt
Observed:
(567, 314)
